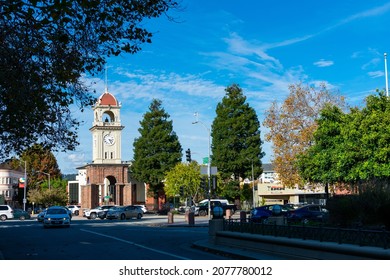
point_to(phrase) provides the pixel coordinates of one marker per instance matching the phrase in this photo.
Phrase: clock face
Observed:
(109, 139)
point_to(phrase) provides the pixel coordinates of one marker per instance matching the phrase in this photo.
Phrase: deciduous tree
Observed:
(292, 124)
(45, 49)
(183, 175)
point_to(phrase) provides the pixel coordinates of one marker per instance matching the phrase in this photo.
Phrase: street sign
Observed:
(203, 170)
(22, 182)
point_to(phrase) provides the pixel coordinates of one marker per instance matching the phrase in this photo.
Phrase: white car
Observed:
(6, 212)
(75, 209)
(56, 216)
(97, 211)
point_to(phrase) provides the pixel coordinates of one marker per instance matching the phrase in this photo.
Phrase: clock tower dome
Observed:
(106, 130)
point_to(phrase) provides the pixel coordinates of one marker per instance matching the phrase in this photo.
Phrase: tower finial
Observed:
(106, 81)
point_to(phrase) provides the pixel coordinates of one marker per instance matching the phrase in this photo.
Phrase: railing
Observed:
(361, 237)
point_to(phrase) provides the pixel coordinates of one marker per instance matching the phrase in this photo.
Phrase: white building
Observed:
(271, 191)
(9, 184)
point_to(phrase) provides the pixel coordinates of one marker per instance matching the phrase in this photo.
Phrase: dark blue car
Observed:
(312, 212)
(262, 213)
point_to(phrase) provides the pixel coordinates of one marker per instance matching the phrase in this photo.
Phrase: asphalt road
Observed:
(145, 239)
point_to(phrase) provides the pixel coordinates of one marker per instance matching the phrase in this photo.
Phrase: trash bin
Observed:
(191, 218)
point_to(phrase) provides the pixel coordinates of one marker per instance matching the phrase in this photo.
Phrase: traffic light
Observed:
(214, 182)
(188, 155)
(181, 191)
(203, 183)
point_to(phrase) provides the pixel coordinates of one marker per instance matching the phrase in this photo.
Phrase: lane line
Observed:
(135, 244)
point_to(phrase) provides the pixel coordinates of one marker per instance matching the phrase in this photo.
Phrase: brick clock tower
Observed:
(106, 178)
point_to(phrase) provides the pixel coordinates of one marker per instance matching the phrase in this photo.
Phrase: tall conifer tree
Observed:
(157, 150)
(236, 142)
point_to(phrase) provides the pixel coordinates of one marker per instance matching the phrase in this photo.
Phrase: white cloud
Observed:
(376, 74)
(323, 63)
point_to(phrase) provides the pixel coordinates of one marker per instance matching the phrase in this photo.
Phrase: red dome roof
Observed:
(107, 99)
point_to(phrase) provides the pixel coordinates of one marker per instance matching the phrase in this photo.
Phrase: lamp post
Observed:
(208, 163)
(48, 174)
(387, 82)
(253, 186)
(25, 185)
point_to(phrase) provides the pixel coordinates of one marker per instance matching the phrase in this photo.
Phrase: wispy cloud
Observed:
(376, 11)
(364, 14)
(376, 74)
(323, 63)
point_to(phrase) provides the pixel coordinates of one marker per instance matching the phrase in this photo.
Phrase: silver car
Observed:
(124, 212)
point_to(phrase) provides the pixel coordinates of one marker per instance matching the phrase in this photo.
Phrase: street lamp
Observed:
(25, 185)
(208, 163)
(253, 185)
(48, 174)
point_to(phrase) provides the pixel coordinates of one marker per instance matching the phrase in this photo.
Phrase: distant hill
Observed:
(69, 177)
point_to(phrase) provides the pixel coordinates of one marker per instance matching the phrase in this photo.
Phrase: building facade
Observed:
(271, 191)
(106, 180)
(9, 184)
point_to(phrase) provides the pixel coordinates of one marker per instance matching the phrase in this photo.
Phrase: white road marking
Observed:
(135, 244)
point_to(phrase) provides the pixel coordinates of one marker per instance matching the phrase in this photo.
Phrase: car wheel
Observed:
(202, 213)
(22, 218)
(93, 216)
(3, 217)
(123, 216)
(76, 212)
(139, 216)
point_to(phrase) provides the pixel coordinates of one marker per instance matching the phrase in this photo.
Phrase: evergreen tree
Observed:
(236, 142)
(157, 150)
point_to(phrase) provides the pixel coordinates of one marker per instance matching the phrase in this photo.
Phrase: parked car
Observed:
(21, 214)
(262, 213)
(202, 208)
(94, 213)
(312, 212)
(41, 215)
(56, 216)
(6, 212)
(143, 208)
(75, 209)
(124, 212)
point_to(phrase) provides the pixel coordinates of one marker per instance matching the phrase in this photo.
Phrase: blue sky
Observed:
(264, 46)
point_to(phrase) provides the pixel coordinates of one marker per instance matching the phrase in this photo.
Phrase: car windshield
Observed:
(56, 211)
(115, 209)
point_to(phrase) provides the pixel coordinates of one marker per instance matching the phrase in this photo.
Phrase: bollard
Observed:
(186, 216)
(170, 218)
(191, 218)
(243, 216)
